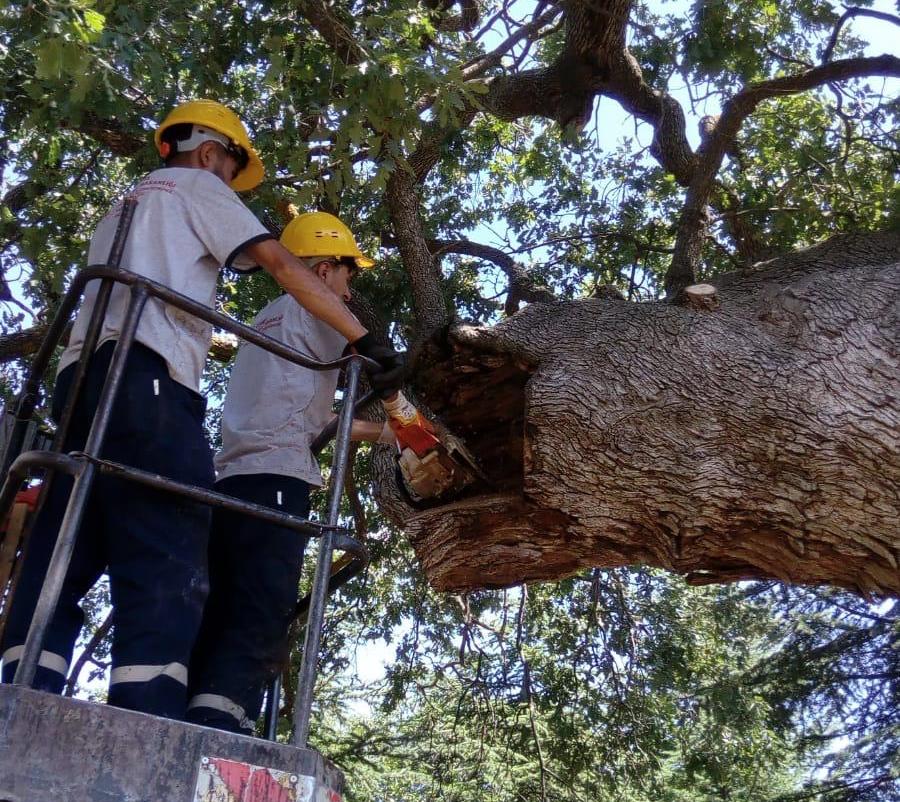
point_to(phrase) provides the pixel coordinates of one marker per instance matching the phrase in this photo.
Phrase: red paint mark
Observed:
(234, 775)
(245, 783)
(264, 788)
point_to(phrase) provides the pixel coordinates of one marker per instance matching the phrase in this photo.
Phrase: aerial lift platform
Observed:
(55, 748)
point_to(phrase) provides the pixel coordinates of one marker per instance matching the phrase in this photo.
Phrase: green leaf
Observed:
(94, 20)
(48, 64)
(74, 59)
(396, 91)
(83, 85)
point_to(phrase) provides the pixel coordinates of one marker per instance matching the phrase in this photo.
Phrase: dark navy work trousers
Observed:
(254, 570)
(153, 546)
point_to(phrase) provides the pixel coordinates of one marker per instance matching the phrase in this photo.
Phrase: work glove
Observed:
(389, 378)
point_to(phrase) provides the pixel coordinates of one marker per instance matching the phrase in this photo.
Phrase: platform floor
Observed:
(52, 748)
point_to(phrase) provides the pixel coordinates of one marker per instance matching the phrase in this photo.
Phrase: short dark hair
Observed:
(175, 134)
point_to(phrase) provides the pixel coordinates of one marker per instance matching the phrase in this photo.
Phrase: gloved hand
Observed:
(389, 379)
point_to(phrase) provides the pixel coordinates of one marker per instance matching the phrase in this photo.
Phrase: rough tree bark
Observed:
(756, 440)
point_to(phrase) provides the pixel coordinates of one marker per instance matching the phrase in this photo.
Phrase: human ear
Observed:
(206, 154)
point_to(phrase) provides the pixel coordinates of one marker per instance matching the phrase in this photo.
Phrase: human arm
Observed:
(236, 238)
(372, 431)
(316, 297)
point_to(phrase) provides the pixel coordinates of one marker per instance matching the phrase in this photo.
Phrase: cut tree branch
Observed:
(692, 225)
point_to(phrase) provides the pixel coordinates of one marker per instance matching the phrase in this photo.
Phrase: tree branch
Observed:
(429, 303)
(468, 18)
(565, 90)
(356, 506)
(692, 226)
(21, 343)
(561, 92)
(854, 11)
(595, 61)
(428, 149)
(115, 135)
(748, 243)
(480, 65)
(528, 695)
(522, 285)
(670, 146)
(24, 343)
(335, 33)
(18, 197)
(87, 654)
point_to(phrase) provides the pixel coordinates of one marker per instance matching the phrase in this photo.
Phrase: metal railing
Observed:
(84, 465)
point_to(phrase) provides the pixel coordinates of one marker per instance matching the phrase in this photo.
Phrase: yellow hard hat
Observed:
(223, 120)
(322, 234)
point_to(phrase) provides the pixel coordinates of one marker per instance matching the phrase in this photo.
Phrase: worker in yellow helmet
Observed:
(272, 412)
(188, 224)
(191, 124)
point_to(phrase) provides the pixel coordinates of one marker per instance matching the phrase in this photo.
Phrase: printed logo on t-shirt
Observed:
(145, 186)
(267, 323)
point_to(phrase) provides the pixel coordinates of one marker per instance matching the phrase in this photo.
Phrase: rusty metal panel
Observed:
(53, 748)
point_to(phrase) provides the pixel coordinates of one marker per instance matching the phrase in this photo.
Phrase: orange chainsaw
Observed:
(431, 466)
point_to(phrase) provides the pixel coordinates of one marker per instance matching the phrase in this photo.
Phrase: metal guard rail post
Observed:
(29, 395)
(84, 465)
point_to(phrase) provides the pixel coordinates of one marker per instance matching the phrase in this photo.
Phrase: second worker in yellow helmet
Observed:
(272, 412)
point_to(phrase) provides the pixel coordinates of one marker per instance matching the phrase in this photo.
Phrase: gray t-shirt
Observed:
(273, 408)
(187, 225)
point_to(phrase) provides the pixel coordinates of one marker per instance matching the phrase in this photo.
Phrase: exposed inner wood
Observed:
(481, 399)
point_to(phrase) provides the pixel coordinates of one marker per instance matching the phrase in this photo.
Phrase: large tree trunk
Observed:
(759, 439)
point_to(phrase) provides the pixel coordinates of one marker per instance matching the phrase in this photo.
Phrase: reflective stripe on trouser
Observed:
(254, 574)
(219, 704)
(176, 671)
(53, 667)
(153, 546)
